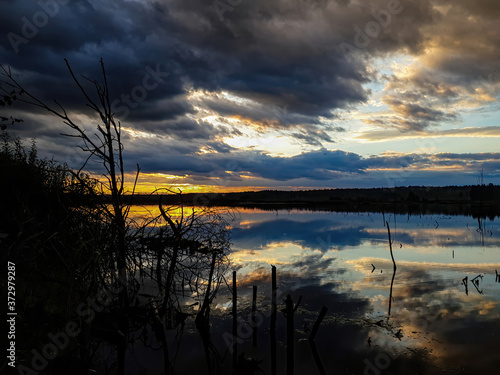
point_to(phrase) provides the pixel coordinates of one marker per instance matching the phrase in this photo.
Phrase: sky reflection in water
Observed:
(329, 258)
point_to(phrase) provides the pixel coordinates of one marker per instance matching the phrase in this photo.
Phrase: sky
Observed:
(235, 95)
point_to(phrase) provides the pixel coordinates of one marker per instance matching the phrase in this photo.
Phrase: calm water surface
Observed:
(444, 313)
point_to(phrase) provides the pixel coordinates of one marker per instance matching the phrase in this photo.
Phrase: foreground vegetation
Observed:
(91, 281)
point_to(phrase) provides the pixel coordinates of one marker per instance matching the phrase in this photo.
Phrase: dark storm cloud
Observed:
(262, 114)
(306, 129)
(312, 138)
(152, 110)
(83, 32)
(219, 147)
(183, 128)
(320, 165)
(281, 54)
(317, 165)
(277, 53)
(413, 116)
(281, 60)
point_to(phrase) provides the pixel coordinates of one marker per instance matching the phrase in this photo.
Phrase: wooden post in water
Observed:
(312, 336)
(317, 358)
(318, 322)
(290, 327)
(273, 298)
(254, 320)
(289, 335)
(273, 321)
(393, 270)
(235, 322)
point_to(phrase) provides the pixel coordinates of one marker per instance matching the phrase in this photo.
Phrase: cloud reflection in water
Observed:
(429, 304)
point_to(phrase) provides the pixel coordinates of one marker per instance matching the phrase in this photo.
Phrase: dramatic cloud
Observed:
(273, 53)
(315, 165)
(271, 86)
